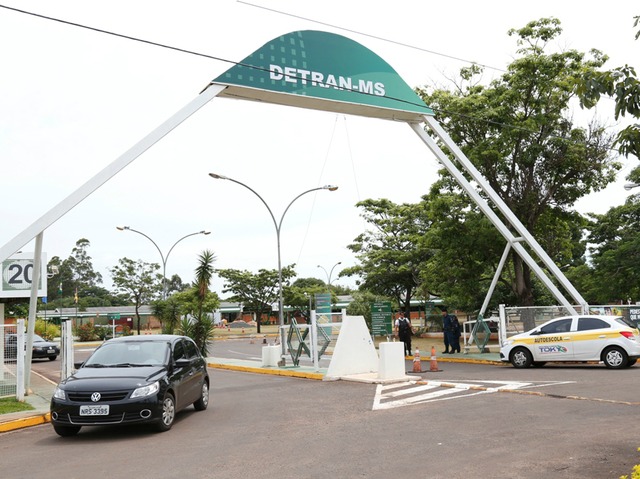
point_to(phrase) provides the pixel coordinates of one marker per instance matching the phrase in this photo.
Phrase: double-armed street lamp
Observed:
(278, 226)
(329, 273)
(164, 258)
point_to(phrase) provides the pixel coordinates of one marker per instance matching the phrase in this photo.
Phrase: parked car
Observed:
(41, 348)
(611, 339)
(132, 380)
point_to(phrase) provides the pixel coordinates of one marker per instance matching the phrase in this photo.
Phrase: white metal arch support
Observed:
(66, 205)
(504, 209)
(489, 213)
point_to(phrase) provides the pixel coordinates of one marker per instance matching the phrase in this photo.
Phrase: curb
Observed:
(273, 372)
(25, 422)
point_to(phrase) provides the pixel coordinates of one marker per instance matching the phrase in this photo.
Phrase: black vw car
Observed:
(41, 348)
(132, 379)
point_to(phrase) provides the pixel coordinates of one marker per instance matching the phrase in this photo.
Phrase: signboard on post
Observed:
(323, 307)
(381, 317)
(17, 276)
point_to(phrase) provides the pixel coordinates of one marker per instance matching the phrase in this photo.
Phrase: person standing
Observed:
(454, 340)
(447, 328)
(404, 330)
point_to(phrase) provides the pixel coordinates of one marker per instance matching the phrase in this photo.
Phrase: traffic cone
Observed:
(434, 361)
(417, 368)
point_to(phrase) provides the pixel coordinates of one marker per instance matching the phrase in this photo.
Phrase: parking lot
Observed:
(466, 420)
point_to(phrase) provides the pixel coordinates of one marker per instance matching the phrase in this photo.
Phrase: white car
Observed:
(611, 339)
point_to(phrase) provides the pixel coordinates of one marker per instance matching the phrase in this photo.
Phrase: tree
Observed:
(175, 285)
(301, 293)
(203, 327)
(138, 280)
(168, 312)
(390, 254)
(256, 292)
(623, 86)
(519, 133)
(76, 273)
(361, 305)
(612, 275)
(465, 248)
(82, 267)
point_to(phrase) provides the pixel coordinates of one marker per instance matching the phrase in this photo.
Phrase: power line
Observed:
(406, 45)
(212, 57)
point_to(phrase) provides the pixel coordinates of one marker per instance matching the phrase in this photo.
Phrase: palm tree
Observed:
(203, 328)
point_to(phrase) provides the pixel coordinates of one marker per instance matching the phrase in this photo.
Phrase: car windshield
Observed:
(129, 354)
(37, 338)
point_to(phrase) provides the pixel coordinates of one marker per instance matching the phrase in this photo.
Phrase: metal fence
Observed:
(11, 337)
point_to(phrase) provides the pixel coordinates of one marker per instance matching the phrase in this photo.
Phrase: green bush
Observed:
(47, 330)
(103, 332)
(86, 332)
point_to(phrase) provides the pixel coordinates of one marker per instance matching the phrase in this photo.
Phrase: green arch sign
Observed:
(323, 71)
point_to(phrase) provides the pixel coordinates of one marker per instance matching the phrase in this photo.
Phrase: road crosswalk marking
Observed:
(389, 396)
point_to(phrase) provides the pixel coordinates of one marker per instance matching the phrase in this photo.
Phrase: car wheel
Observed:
(168, 413)
(52, 358)
(538, 364)
(631, 362)
(202, 403)
(521, 358)
(615, 358)
(66, 431)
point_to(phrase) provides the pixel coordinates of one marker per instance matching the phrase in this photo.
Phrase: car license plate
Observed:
(94, 410)
(51, 351)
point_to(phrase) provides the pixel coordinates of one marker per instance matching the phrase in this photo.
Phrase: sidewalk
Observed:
(42, 388)
(309, 372)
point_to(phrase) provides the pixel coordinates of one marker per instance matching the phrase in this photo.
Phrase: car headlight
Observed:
(145, 391)
(60, 394)
(508, 342)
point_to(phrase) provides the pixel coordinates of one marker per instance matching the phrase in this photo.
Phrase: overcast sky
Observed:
(73, 100)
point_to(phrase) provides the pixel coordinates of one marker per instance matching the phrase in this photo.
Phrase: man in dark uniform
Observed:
(447, 330)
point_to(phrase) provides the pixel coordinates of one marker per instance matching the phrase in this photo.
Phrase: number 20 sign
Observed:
(17, 276)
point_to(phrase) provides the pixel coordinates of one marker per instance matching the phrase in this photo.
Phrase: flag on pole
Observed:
(75, 296)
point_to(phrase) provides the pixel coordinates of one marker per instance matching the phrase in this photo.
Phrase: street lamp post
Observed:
(278, 226)
(329, 273)
(164, 258)
(630, 186)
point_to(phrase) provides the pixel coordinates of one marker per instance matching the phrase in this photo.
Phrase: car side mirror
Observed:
(536, 332)
(181, 363)
(78, 365)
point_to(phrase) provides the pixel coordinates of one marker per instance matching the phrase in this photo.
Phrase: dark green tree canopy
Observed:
(256, 291)
(390, 254)
(612, 273)
(138, 280)
(623, 86)
(519, 133)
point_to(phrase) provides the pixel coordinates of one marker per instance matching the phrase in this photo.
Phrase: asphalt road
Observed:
(557, 421)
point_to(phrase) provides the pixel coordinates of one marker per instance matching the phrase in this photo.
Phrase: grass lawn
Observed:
(8, 405)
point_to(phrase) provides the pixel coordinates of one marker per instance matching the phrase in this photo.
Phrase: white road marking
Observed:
(417, 392)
